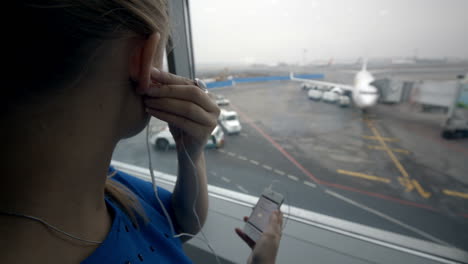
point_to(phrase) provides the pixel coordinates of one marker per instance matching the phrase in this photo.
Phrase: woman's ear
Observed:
(141, 62)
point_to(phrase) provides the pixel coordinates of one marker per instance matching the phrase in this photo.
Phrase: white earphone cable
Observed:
(197, 191)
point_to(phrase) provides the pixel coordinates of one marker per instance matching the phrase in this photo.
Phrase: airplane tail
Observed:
(364, 64)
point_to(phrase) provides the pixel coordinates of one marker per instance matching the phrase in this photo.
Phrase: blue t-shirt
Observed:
(151, 243)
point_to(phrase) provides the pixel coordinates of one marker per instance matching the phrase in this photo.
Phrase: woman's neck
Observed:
(55, 171)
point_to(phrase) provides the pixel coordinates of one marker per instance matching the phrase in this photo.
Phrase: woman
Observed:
(80, 76)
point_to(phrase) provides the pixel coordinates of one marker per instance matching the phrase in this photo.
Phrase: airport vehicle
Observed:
(306, 86)
(363, 93)
(344, 101)
(314, 94)
(229, 121)
(330, 97)
(163, 140)
(456, 124)
(221, 100)
(455, 127)
(450, 96)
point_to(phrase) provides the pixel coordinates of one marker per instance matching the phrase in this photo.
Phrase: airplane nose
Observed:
(369, 99)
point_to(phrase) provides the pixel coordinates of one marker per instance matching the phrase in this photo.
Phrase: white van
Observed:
(344, 101)
(221, 100)
(315, 94)
(163, 140)
(330, 97)
(229, 121)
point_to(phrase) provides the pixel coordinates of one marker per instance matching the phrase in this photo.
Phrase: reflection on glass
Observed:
(358, 108)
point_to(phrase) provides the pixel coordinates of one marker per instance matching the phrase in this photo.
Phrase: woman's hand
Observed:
(190, 112)
(266, 248)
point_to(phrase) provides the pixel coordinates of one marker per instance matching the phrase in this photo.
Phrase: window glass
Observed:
(352, 109)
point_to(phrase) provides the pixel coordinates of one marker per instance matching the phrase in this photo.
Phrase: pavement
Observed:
(388, 169)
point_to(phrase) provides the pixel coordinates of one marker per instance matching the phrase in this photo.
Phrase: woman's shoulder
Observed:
(149, 242)
(140, 187)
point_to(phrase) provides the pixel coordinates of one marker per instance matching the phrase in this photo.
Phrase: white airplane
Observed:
(363, 93)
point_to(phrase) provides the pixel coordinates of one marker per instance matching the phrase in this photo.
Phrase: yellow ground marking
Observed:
(381, 138)
(367, 118)
(454, 193)
(411, 184)
(408, 183)
(388, 150)
(364, 176)
(404, 151)
(420, 190)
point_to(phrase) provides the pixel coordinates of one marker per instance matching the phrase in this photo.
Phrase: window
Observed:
(378, 157)
(231, 118)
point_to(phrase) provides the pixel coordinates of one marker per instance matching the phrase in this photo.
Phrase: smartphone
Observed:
(268, 202)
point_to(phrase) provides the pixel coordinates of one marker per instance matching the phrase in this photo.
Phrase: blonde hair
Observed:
(126, 199)
(60, 36)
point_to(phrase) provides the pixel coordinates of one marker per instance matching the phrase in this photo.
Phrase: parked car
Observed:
(229, 120)
(306, 86)
(163, 140)
(220, 100)
(330, 97)
(315, 94)
(344, 101)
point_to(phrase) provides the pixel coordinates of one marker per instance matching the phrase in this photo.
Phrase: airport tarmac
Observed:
(387, 169)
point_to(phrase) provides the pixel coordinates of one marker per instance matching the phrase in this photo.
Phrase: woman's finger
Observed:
(184, 92)
(191, 128)
(245, 238)
(169, 78)
(183, 109)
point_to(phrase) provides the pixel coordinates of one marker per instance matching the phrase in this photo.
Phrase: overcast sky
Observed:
(269, 31)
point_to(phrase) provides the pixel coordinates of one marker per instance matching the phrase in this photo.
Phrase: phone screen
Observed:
(261, 213)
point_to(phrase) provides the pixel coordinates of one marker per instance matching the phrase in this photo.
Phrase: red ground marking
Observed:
(278, 147)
